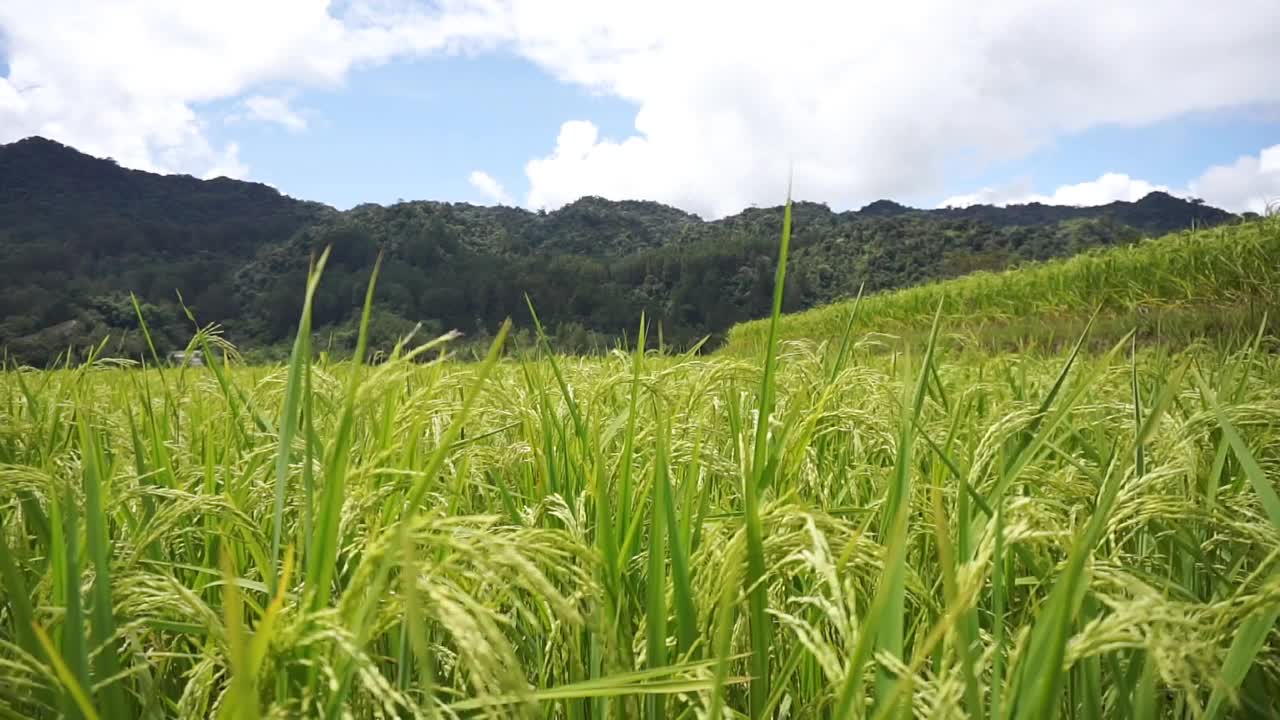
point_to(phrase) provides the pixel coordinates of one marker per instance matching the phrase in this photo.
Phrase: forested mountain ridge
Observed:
(78, 233)
(1156, 214)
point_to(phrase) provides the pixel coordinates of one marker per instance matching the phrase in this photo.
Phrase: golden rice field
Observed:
(839, 526)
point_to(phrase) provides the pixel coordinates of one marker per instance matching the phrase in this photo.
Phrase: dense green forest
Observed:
(79, 234)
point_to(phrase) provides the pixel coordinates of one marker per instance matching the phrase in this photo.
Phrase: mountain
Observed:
(52, 188)
(885, 208)
(1157, 213)
(78, 234)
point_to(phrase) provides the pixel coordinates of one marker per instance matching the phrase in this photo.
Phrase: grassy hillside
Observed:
(1217, 284)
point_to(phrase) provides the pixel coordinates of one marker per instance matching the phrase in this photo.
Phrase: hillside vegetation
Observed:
(1220, 284)
(79, 234)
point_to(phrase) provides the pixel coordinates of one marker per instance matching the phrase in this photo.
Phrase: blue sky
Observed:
(709, 105)
(1171, 152)
(416, 130)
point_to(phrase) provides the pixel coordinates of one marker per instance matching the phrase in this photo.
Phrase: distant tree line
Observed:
(79, 234)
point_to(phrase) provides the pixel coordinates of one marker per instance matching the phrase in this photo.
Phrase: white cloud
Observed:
(583, 164)
(489, 187)
(1009, 194)
(10, 101)
(871, 100)
(1108, 188)
(272, 110)
(124, 78)
(863, 100)
(1250, 183)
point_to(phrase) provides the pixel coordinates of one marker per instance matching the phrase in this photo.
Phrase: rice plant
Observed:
(846, 527)
(1219, 284)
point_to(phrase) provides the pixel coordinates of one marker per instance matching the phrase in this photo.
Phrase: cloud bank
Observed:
(490, 188)
(1109, 187)
(1251, 183)
(275, 110)
(861, 100)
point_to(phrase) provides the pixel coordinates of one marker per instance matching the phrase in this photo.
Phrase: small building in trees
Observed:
(195, 358)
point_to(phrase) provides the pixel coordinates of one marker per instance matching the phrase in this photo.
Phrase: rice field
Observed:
(843, 528)
(1220, 284)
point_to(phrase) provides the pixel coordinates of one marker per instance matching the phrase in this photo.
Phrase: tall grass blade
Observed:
(74, 686)
(74, 624)
(682, 584)
(850, 699)
(18, 596)
(1251, 637)
(325, 543)
(1252, 470)
(656, 584)
(361, 621)
(298, 360)
(758, 599)
(1040, 671)
(98, 544)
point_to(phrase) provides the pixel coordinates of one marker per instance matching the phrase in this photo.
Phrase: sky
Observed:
(711, 105)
